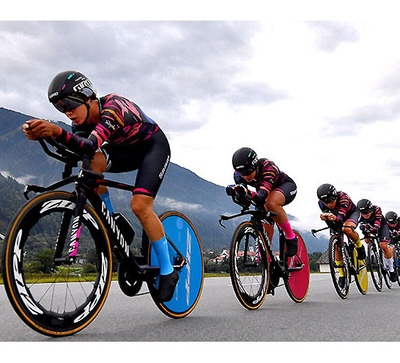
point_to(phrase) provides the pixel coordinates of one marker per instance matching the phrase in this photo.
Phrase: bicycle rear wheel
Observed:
(181, 234)
(299, 272)
(342, 286)
(53, 297)
(249, 267)
(374, 266)
(360, 273)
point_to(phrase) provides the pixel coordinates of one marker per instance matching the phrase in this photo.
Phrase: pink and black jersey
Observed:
(376, 219)
(344, 207)
(122, 122)
(268, 177)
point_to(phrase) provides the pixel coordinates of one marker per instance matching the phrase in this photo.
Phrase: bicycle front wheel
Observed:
(183, 240)
(50, 294)
(361, 273)
(374, 266)
(339, 267)
(299, 272)
(249, 266)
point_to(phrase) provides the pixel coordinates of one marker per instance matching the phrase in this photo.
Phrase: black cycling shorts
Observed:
(289, 191)
(150, 158)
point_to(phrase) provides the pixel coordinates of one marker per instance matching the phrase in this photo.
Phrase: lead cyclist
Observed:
(120, 138)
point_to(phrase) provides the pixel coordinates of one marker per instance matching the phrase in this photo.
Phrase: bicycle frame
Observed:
(257, 218)
(344, 243)
(86, 186)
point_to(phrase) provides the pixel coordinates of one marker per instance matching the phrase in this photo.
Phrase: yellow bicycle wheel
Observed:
(361, 273)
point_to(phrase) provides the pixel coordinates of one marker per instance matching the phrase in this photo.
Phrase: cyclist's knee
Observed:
(142, 205)
(99, 163)
(387, 252)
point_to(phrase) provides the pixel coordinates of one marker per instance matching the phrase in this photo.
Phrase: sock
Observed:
(107, 201)
(359, 243)
(390, 263)
(161, 250)
(287, 229)
(341, 272)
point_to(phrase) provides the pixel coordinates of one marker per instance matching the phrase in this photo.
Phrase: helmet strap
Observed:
(100, 107)
(87, 111)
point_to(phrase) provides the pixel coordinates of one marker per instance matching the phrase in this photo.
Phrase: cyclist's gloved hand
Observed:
(230, 190)
(240, 190)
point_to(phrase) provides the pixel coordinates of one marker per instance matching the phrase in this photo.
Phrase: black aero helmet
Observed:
(244, 160)
(391, 217)
(70, 89)
(326, 193)
(364, 206)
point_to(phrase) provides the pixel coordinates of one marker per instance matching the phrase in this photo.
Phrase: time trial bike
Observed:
(377, 264)
(255, 269)
(57, 254)
(345, 267)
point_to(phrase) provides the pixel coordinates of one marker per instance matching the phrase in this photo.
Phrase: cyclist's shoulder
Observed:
(114, 101)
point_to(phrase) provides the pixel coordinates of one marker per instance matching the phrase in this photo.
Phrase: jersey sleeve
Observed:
(344, 203)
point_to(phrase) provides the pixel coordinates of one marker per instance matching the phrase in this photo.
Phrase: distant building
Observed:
(323, 262)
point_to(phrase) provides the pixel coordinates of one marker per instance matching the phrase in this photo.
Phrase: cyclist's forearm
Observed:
(76, 143)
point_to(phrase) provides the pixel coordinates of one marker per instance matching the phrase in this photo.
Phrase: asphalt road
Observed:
(218, 317)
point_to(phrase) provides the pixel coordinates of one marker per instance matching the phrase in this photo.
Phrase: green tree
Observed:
(42, 262)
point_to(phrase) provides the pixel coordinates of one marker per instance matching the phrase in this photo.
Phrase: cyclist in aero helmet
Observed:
(337, 207)
(372, 221)
(274, 189)
(119, 137)
(393, 222)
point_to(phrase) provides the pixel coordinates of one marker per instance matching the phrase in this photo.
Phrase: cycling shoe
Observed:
(291, 247)
(166, 287)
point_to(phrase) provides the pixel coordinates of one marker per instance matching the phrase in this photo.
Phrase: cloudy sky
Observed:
(320, 97)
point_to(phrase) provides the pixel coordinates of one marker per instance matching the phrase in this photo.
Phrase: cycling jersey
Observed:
(129, 140)
(268, 177)
(344, 208)
(395, 232)
(376, 218)
(377, 221)
(121, 122)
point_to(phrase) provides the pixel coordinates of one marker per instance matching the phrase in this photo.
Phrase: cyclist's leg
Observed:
(339, 261)
(151, 159)
(388, 256)
(99, 165)
(278, 198)
(352, 221)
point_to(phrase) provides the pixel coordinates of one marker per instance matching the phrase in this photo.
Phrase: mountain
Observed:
(200, 200)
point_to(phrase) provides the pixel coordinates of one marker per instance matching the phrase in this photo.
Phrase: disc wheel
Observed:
(298, 266)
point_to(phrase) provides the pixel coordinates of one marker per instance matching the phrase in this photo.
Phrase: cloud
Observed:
(182, 206)
(329, 35)
(163, 66)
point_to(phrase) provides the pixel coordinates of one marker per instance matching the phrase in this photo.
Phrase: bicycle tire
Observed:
(250, 279)
(385, 271)
(50, 307)
(183, 235)
(361, 273)
(374, 266)
(298, 281)
(343, 292)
